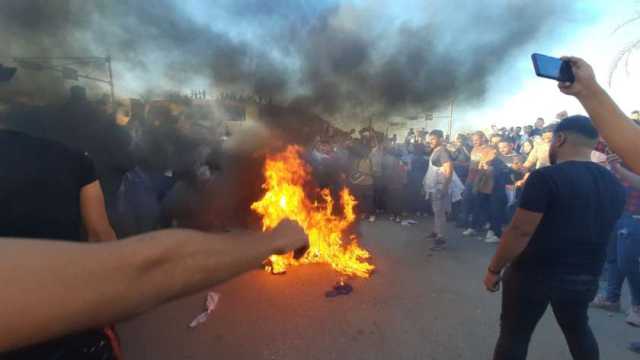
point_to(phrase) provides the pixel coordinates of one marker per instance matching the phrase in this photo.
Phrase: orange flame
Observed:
(285, 175)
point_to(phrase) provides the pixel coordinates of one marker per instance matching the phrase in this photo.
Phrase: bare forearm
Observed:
(54, 288)
(619, 131)
(511, 245)
(448, 173)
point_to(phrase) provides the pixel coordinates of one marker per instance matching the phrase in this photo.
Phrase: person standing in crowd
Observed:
(489, 197)
(49, 191)
(379, 188)
(460, 155)
(361, 180)
(498, 200)
(495, 139)
(438, 187)
(517, 134)
(527, 133)
(395, 179)
(512, 191)
(526, 147)
(480, 150)
(411, 136)
(539, 156)
(538, 128)
(505, 149)
(417, 169)
(556, 244)
(624, 249)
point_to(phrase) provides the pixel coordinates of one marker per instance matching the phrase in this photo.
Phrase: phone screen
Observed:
(552, 68)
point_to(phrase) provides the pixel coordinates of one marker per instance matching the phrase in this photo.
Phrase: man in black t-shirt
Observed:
(556, 244)
(50, 191)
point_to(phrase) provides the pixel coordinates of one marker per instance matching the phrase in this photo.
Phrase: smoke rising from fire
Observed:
(327, 55)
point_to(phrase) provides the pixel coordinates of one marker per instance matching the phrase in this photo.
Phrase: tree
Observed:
(624, 56)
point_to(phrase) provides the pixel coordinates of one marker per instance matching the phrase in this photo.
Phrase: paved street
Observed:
(415, 306)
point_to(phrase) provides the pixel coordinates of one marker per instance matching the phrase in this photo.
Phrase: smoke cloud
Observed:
(329, 56)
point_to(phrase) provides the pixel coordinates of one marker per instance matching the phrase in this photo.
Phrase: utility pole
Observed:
(451, 120)
(113, 95)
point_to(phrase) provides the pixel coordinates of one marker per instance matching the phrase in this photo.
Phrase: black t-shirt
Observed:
(40, 184)
(581, 202)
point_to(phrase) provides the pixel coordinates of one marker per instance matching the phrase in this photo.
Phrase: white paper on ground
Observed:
(211, 303)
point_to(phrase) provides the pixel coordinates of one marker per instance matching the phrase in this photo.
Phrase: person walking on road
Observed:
(556, 245)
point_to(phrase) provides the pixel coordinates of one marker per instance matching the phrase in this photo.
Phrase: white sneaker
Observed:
(469, 232)
(491, 238)
(372, 218)
(633, 318)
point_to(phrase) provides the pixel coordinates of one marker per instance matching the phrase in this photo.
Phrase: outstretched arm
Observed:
(52, 288)
(620, 132)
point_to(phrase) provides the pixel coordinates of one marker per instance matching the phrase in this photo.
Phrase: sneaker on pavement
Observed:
(601, 302)
(439, 244)
(372, 218)
(491, 238)
(469, 232)
(633, 318)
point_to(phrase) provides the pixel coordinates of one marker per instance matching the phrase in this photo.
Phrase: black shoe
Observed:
(439, 244)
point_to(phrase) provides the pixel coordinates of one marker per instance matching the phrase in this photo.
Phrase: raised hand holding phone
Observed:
(553, 68)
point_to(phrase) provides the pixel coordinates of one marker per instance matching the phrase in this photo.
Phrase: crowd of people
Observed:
(475, 178)
(558, 183)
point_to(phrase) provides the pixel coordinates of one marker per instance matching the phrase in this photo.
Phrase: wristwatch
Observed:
(492, 271)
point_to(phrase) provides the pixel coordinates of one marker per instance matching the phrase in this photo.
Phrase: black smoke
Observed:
(326, 55)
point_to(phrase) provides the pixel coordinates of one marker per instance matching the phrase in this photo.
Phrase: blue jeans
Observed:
(498, 212)
(622, 259)
(468, 205)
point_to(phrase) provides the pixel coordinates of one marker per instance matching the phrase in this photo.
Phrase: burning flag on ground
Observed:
(285, 198)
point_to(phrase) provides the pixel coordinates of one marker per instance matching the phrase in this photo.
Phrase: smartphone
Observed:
(552, 68)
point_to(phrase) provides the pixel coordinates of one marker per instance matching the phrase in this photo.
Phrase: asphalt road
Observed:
(415, 306)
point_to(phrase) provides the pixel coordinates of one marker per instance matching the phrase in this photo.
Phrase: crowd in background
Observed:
(389, 178)
(387, 174)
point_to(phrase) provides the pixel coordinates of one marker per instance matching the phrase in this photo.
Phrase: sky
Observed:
(514, 99)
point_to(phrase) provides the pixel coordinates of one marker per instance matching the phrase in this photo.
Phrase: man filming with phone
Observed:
(556, 244)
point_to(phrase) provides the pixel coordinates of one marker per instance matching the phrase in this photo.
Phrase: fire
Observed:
(285, 198)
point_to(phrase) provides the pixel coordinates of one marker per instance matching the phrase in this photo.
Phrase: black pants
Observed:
(525, 298)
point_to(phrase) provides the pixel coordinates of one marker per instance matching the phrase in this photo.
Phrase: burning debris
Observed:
(285, 198)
